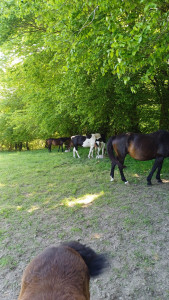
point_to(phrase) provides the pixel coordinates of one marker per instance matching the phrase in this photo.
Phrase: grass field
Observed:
(47, 198)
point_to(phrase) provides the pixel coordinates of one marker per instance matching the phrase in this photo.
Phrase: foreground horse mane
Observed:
(61, 273)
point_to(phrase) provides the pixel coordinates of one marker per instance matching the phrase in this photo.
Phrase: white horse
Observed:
(84, 141)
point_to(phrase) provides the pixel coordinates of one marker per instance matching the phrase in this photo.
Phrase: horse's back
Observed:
(78, 139)
(64, 139)
(48, 141)
(148, 146)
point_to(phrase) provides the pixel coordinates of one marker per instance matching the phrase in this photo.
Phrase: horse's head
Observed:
(97, 135)
(69, 144)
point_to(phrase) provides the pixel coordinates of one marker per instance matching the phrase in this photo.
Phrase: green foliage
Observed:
(76, 67)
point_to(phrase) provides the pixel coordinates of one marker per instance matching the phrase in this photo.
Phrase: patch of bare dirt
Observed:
(132, 227)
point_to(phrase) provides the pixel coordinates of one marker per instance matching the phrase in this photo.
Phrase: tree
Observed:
(78, 67)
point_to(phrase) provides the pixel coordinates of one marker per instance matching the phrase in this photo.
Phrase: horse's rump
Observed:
(116, 148)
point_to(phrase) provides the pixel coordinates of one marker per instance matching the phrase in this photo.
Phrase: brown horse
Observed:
(61, 273)
(57, 142)
(141, 147)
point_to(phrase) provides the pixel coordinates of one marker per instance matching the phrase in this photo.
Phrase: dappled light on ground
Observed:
(19, 207)
(83, 201)
(2, 185)
(96, 236)
(136, 175)
(165, 181)
(33, 208)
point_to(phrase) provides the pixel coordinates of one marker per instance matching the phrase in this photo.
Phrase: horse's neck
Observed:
(96, 135)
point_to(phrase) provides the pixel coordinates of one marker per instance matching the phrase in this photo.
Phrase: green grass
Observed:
(46, 198)
(40, 181)
(36, 180)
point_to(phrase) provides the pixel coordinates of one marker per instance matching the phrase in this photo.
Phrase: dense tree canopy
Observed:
(70, 67)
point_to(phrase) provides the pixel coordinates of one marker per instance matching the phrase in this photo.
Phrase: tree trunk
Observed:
(27, 146)
(163, 95)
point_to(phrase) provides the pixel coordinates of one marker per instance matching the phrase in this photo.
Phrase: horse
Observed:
(100, 146)
(62, 273)
(140, 147)
(84, 141)
(56, 142)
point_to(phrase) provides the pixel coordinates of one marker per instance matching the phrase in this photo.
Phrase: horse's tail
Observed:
(96, 263)
(110, 151)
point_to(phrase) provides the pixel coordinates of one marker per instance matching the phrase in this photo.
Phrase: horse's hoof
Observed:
(111, 179)
(126, 182)
(159, 181)
(149, 183)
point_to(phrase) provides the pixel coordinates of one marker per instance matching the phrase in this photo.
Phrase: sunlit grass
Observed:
(165, 181)
(136, 175)
(83, 201)
(33, 208)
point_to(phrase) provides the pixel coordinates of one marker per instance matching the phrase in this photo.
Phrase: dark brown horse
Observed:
(62, 273)
(141, 147)
(57, 142)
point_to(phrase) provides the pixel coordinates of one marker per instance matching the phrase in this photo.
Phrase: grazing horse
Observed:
(84, 141)
(62, 273)
(56, 142)
(100, 146)
(141, 147)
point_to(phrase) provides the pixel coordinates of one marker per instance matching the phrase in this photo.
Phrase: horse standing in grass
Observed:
(100, 146)
(57, 142)
(141, 147)
(61, 273)
(84, 141)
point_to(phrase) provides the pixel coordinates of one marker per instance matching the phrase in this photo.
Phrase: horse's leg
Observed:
(157, 164)
(99, 148)
(123, 178)
(59, 148)
(159, 170)
(90, 152)
(75, 152)
(103, 150)
(112, 171)
(49, 148)
(98, 151)
(62, 146)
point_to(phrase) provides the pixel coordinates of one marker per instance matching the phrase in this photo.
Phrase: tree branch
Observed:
(85, 25)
